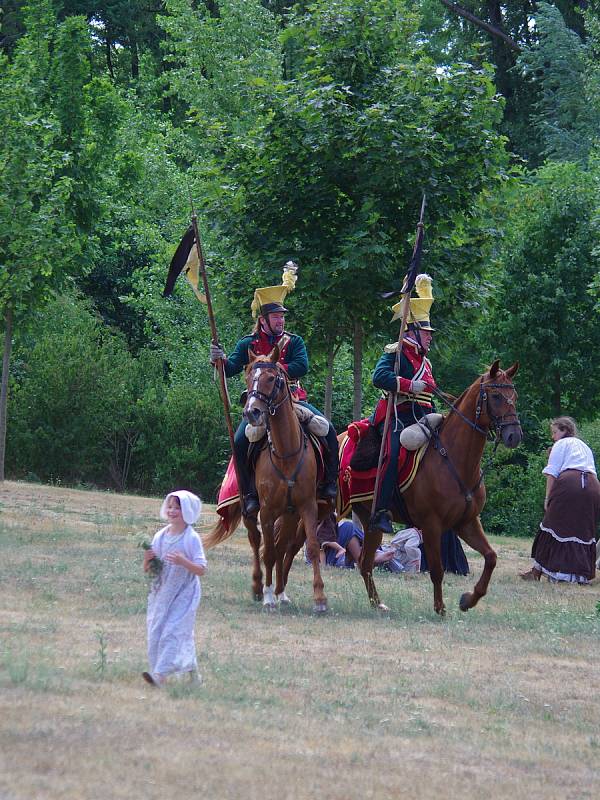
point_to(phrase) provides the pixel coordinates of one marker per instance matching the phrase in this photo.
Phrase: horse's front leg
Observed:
(309, 515)
(472, 533)
(254, 539)
(269, 556)
(432, 545)
(371, 542)
(285, 534)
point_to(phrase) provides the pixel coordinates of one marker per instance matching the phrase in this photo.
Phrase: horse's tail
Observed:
(224, 528)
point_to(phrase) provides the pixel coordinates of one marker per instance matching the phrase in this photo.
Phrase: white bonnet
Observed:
(191, 505)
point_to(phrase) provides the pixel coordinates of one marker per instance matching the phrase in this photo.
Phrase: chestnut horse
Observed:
(286, 482)
(448, 490)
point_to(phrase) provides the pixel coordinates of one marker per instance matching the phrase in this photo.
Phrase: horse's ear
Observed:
(494, 368)
(274, 354)
(512, 371)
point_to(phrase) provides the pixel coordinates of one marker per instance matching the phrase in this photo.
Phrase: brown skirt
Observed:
(566, 540)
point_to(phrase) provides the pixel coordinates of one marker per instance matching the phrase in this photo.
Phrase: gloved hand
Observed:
(417, 386)
(216, 352)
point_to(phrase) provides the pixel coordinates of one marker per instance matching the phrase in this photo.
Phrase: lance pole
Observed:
(406, 292)
(220, 366)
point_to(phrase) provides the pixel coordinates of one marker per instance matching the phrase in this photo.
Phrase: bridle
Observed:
(497, 421)
(268, 399)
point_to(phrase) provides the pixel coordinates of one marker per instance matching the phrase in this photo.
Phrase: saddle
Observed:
(366, 455)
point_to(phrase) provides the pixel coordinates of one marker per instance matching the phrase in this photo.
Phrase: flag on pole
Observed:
(185, 260)
(415, 261)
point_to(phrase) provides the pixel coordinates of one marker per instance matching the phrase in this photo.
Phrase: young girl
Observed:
(175, 594)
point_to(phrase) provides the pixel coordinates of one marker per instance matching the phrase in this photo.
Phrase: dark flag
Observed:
(415, 261)
(185, 260)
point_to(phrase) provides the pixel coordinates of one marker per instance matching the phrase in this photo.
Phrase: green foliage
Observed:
(566, 115)
(86, 411)
(515, 494)
(72, 399)
(544, 314)
(37, 242)
(334, 171)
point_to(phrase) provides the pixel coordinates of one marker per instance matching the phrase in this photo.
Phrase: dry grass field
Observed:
(501, 702)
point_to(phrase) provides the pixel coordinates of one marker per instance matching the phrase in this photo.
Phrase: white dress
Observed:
(172, 604)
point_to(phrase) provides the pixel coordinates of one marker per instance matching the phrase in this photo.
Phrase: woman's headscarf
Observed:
(191, 505)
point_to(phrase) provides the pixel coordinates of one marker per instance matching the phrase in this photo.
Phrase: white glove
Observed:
(416, 387)
(216, 353)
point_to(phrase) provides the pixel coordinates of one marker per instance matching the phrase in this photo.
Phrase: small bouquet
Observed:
(156, 564)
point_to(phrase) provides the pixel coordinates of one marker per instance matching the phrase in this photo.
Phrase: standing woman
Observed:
(565, 546)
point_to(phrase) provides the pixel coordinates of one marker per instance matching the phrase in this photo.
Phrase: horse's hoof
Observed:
(269, 607)
(441, 611)
(258, 596)
(283, 599)
(465, 602)
(383, 608)
(320, 607)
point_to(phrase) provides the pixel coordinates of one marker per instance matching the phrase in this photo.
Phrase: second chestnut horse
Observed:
(448, 490)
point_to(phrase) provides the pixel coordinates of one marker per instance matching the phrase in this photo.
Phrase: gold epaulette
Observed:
(390, 348)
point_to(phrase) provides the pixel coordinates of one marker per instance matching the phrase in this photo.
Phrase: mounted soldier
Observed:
(412, 386)
(269, 332)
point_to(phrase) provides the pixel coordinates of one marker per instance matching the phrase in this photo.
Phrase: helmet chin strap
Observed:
(267, 327)
(416, 335)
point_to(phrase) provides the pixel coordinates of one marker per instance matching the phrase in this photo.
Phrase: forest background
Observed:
(305, 131)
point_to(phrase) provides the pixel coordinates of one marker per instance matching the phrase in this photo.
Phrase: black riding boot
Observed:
(250, 504)
(328, 489)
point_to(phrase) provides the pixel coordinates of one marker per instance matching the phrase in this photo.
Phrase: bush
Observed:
(83, 410)
(72, 394)
(182, 443)
(515, 494)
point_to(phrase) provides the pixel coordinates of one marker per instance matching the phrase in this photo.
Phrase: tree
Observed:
(566, 113)
(544, 311)
(57, 134)
(333, 173)
(38, 246)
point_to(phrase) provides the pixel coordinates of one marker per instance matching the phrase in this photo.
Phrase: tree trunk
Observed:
(556, 399)
(329, 383)
(503, 57)
(357, 369)
(109, 64)
(8, 328)
(135, 58)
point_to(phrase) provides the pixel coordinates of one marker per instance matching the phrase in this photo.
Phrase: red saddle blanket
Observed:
(229, 494)
(358, 486)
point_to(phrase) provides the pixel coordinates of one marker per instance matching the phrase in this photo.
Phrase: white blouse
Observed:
(569, 453)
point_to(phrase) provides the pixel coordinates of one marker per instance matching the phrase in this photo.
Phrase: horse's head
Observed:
(497, 403)
(266, 381)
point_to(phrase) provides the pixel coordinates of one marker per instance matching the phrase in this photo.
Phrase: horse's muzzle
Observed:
(512, 435)
(253, 415)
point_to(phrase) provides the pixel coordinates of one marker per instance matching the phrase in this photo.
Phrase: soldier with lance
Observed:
(412, 388)
(268, 332)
